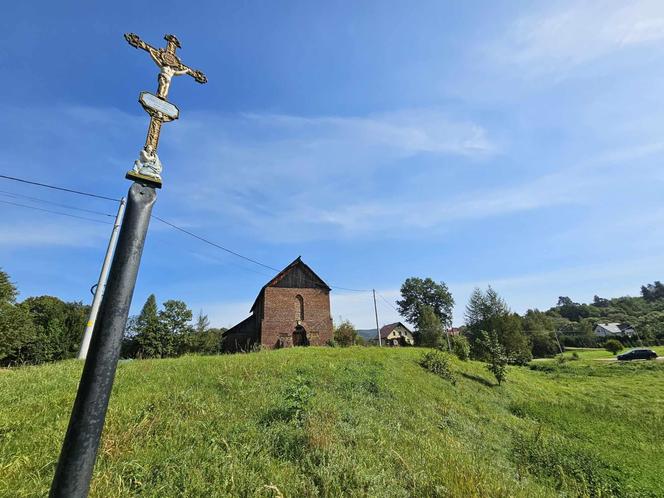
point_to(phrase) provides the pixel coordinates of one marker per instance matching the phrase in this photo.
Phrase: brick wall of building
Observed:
(281, 312)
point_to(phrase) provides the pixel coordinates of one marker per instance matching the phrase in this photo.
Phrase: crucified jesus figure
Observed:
(169, 64)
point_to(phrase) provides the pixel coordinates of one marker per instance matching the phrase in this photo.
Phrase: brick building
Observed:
(292, 309)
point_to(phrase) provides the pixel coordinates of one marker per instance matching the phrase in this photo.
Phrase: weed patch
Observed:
(566, 464)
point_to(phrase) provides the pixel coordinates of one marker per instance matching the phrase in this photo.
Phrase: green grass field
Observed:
(351, 422)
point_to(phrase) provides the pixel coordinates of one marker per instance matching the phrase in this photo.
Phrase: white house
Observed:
(614, 329)
(396, 334)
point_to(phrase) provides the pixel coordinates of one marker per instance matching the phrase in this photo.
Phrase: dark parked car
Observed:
(638, 354)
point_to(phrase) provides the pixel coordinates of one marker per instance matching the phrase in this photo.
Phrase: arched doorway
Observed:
(300, 336)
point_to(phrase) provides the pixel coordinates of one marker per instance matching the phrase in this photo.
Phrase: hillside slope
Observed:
(352, 422)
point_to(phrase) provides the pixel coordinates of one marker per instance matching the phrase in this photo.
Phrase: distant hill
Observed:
(367, 334)
(353, 421)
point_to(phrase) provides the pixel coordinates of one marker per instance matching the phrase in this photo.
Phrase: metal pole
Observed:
(380, 342)
(555, 332)
(101, 284)
(79, 450)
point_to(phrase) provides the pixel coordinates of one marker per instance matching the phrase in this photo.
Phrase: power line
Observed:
(389, 303)
(214, 244)
(172, 225)
(59, 188)
(351, 290)
(37, 199)
(55, 212)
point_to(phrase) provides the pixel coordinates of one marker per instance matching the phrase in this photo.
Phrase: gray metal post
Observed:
(555, 332)
(79, 450)
(380, 342)
(101, 284)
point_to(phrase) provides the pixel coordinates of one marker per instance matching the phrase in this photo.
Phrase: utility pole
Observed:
(101, 284)
(555, 332)
(380, 342)
(79, 449)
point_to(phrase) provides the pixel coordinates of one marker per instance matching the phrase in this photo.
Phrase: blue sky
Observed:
(516, 145)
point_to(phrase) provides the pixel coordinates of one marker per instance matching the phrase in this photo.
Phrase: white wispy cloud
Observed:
(404, 132)
(578, 32)
(39, 232)
(269, 172)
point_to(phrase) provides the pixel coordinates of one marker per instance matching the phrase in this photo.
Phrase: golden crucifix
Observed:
(148, 167)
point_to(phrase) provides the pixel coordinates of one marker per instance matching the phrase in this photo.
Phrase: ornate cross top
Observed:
(147, 169)
(169, 64)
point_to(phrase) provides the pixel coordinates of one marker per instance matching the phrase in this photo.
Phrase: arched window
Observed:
(299, 307)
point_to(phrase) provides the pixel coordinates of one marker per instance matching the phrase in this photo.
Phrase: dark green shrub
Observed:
(438, 363)
(613, 346)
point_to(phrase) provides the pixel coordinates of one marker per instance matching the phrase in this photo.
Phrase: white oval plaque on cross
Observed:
(153, 103)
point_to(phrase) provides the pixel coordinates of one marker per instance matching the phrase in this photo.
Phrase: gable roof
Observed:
(387, 329)
(616, 328)
(298, 263)
(237, 326)
(611, 328)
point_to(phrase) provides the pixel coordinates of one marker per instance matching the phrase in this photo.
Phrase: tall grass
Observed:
(345, 422)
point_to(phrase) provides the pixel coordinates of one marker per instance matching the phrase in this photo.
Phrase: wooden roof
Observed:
(281, 279)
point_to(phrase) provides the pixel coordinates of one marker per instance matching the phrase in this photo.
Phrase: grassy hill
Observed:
(353, 422)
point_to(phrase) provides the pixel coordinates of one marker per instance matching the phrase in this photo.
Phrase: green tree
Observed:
(496, 356)
(8, 291)
(540, 329)
(175, 328)
(483, 306)
(205, 339)
(59, 327)
(146, 331)
(17, 335)
(345, 334)
(510, 334)
(487, 311)
(650, 326)
(652, 292)
(571, 310)
(202, 323)
(17, 331)
(417, 293)
(429, 327)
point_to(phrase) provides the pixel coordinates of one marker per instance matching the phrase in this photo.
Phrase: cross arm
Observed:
(134, 40)
(194, 73)
(197, 75)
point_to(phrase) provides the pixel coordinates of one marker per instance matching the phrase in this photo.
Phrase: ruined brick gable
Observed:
(291, 309)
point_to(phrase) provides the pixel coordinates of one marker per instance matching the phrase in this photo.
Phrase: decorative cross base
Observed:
(149, 181)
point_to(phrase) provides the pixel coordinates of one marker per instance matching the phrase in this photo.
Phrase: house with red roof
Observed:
(396, 334)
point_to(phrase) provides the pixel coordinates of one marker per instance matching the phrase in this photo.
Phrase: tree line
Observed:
(489, 321)
(45, 328)
(169, 332)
